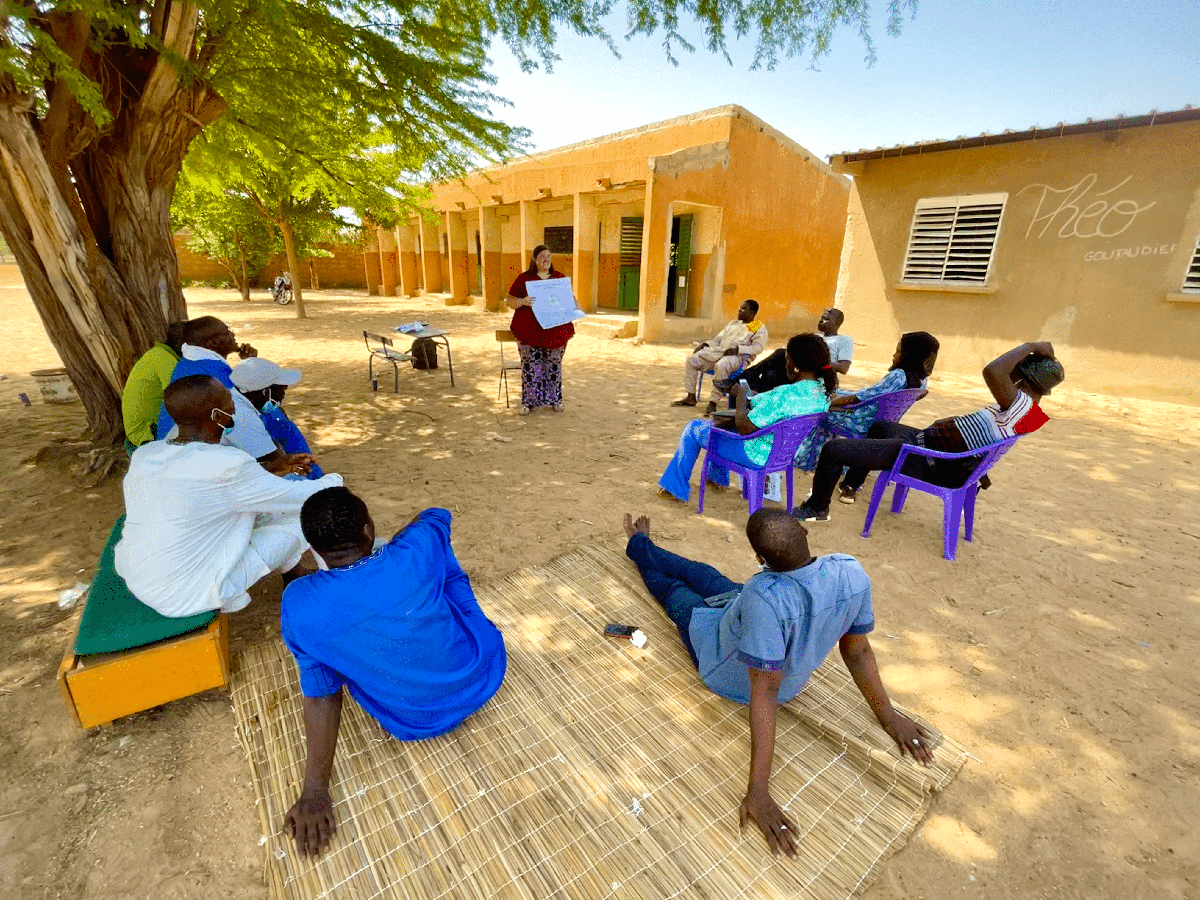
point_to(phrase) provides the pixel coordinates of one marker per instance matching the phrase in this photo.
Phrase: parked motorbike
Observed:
(281, 290)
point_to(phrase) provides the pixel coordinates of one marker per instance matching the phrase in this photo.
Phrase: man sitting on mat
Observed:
(1018, 380)
(758, 643)
(205, 521)
(398, 626)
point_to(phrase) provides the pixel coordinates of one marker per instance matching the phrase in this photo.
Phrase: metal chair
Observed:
(502, 338)
(889, 407)
(379, 346)
(788, 434)
(956, 501)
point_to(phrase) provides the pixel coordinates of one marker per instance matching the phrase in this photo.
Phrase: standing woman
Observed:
(541, 349)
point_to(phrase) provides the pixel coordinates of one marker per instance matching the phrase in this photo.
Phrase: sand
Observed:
(1059, 647)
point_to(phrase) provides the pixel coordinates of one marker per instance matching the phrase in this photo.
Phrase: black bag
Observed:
(424, 353)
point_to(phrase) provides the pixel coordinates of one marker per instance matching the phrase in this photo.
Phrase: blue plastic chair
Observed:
(745, 358)
(788, 433)
(955, 501)
(890, 407)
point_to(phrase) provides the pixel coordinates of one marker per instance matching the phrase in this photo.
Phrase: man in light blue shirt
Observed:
(759, 643)
(841, 346)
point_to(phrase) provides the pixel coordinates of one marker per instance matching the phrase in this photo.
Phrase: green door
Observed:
(629, 271)
(681, 264)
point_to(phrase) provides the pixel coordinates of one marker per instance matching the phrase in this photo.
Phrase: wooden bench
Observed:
(124, 657)
(380, 346)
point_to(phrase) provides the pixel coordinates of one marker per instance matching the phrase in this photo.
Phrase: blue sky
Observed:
(957, 68)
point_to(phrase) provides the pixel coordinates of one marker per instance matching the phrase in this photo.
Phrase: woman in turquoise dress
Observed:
(913, 362)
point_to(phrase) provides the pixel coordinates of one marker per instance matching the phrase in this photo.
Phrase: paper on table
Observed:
(553, 302)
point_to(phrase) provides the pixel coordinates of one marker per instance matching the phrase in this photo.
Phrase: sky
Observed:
(960, 67)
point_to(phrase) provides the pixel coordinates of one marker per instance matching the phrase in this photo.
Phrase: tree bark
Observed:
(289, 244)
(313, 281)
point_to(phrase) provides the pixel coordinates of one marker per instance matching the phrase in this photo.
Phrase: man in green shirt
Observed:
(149, 377)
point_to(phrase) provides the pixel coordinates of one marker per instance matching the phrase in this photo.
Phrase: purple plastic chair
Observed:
(955, 501)
(789, 433)
(890, 407)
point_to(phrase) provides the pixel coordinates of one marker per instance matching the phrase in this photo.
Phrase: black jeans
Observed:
(874, 453)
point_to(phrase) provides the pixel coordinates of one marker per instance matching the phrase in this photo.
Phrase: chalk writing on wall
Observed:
(1081, 212)
(1129, 252)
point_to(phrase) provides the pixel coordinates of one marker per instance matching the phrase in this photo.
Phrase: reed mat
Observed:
(597, 771)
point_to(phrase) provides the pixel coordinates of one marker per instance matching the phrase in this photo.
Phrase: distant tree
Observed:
(225, 226)
(100, 100)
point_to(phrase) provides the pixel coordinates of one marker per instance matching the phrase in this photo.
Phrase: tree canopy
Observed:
(101, 99)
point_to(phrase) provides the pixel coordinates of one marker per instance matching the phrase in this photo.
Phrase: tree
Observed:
(224, 225)
(100, 100)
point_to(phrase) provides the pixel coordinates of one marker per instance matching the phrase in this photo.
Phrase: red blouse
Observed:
(525, 324)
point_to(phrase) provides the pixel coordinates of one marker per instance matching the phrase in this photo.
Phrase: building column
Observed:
(371, 259)
(583, 251)
(388, 274)
(431, 255)
(456, 244)
(531, 229)
(493, 287)
(406, 251)
(656, 244)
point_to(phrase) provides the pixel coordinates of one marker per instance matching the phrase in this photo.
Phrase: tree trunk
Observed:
(289, 245)
(244, 281)
(86, 210)
(313, 281)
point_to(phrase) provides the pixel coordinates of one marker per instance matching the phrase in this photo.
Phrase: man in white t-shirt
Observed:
(841, 346)
(205, 521)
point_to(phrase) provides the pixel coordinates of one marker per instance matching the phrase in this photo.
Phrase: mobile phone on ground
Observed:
(619, 631)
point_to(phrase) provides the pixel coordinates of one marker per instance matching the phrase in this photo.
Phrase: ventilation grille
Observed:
(952, 239)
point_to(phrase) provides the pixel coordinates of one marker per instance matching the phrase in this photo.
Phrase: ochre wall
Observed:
(342, 270)
(1094, 241)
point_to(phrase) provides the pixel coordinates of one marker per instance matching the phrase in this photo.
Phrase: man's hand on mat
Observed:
(777, 828)
(912, 739)
(311, 822)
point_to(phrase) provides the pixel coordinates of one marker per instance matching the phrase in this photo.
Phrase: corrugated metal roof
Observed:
(1187, 114)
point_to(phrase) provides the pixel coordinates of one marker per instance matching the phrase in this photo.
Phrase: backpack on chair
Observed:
(424, 353)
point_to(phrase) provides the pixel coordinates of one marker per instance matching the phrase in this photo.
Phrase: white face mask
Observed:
(227, 429)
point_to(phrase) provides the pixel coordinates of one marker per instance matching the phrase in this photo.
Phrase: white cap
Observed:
(256, 374)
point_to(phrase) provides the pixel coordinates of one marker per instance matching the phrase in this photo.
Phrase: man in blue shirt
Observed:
(399, 627)
(758, 643)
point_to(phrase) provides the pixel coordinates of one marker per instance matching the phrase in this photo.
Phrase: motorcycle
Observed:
(281, 290)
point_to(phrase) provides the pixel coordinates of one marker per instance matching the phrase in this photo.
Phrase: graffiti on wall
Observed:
(1081, 211)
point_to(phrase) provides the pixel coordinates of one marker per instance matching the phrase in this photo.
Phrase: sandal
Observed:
(686, 401)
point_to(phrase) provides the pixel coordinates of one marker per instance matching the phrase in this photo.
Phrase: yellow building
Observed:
(1084, 235)
(679, 221)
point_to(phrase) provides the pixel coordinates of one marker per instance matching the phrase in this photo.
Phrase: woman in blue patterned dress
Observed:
(913, 362)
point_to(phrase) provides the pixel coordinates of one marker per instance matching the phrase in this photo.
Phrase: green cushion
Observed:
(114, 619)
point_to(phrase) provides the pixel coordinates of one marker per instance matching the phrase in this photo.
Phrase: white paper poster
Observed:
(553, 301)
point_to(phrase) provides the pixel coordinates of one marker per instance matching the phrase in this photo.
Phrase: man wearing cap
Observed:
(1018, 380)
(208, 342)
(264, 384)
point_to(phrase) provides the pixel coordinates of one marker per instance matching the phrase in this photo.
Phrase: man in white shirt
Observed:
(205, 521)
(841, 346)
(734, 346)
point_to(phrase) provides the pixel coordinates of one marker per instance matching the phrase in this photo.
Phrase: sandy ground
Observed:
(1059, 647)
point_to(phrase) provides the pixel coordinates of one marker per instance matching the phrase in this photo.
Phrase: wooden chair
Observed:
(502, 338)
(379, 347)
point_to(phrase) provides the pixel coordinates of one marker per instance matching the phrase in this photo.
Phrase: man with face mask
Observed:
(264, 384)
(204, 521)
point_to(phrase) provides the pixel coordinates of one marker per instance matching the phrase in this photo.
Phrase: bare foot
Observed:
(641, 525)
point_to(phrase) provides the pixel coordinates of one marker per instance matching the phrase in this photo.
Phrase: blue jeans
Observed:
(676, 478)
(678, 584)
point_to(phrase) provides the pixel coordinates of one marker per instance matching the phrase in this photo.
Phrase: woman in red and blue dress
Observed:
(541, 348)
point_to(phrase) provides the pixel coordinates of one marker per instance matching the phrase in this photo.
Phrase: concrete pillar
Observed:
(656, 247)
(494, 289)
(431, 255)
(531, 230)
(583, 251)
(456, 232)
(371, 260)
(388, 269)
(406, 247)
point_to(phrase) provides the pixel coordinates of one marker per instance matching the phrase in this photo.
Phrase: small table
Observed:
(438, 337)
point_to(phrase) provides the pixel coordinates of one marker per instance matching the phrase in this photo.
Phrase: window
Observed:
(952, 239)
(1191, 279)
(559, 238)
